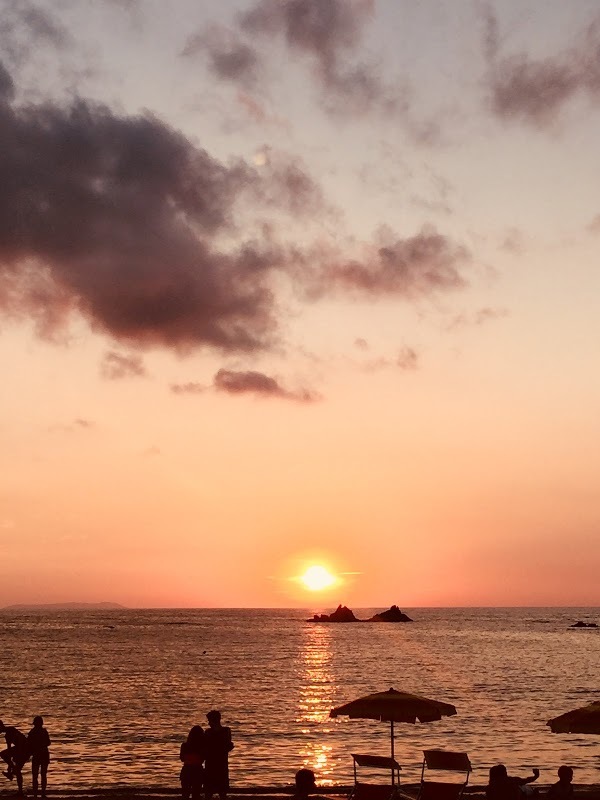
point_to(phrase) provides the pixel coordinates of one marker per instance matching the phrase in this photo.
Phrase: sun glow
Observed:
(317, 578)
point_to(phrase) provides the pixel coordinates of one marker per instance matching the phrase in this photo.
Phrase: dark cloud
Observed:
(125, 222)
(117, 365)
(119, 219)
(7, 86)
(536, 90)
(188, 388)
(83, 423)
(258, 383)
(415, 266)
(228, 57)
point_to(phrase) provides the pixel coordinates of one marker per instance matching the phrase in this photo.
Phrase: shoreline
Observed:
(586, 791)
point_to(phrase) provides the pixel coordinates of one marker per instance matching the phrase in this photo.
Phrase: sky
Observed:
(294, 283)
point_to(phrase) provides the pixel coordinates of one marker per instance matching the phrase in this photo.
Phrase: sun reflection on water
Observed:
(315, 700)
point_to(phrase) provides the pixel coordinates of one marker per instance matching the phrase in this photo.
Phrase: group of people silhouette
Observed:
(205, 757)
(205, 770)
(21, 748)
(503, 786)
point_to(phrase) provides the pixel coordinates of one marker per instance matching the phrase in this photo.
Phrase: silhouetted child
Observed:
(563, 788)
(16, 754)
(192, 773)
(504, 787)
(305, 785)
(217, 740)
(39, 742)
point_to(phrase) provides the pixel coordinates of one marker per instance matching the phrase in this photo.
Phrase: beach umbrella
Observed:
(393, 706)
(580, 720)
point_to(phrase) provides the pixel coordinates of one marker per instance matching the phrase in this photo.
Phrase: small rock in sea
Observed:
(580, 624)
(393, 614)
(341, 614)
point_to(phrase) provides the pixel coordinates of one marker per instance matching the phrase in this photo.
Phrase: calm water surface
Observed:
(119, 690)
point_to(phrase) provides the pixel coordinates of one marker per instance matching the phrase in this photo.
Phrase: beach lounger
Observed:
(442, 761)
(375, 791)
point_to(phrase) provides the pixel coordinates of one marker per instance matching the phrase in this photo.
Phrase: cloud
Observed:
(25, 28)
(513, 242)
(536, 90)
(406, 359)
(260, 384)
(479, 317)
(121, 219)
(328, 32)
(594, 225)
(78, 424)
(188, 388)
(325, 33)
(7, 86)
(411, 267)
(228, 57)
(117, 365)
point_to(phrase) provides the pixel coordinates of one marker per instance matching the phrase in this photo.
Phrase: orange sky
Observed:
(275, 322)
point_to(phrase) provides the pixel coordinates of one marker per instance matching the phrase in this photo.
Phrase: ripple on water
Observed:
(119, 690)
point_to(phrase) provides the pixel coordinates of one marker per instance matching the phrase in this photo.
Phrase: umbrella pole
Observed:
(392, 743)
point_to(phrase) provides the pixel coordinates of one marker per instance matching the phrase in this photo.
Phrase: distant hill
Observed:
(64, 607)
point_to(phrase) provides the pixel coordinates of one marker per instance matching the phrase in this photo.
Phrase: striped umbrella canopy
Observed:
(393, 706)
(580, 720)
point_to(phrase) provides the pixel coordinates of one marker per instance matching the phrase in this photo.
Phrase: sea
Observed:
(119, 690)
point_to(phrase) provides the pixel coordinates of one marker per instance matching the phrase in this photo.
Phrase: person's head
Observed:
(305, 781)
(498, 773)
(195, 735)
(38, 722)
(214, 718)
(565, 774)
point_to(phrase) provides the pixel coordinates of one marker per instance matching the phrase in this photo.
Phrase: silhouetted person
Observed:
(563, 788)
(39, 742)
(217, 740)
(16, 754)
(504, 787)
(192, 754)
(305, 785)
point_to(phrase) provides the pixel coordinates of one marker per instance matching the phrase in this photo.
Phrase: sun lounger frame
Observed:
(443, 760)
(375, 791)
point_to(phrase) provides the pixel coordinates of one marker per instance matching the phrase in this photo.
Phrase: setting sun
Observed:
(317, 577)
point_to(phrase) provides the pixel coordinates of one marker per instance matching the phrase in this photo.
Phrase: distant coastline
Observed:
(64, 607)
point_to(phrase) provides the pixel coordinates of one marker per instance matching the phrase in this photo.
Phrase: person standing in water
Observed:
(218, 745)
(39, 742)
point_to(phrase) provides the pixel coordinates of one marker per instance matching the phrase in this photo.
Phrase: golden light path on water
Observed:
(316, 698)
